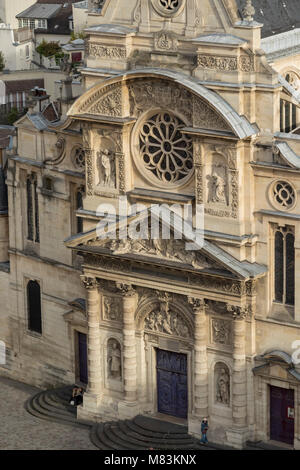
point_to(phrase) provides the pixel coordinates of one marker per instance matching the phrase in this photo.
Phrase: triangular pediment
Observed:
(184, 249)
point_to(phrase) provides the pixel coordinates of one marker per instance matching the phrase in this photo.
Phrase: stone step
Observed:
(127, 435)
(39, 406)
(260, 445)
(155, 440)
(53, 405)
(47, 403)
(116, 436)
(149, 434)
(109, 440)
(156, 425)
(99, 439)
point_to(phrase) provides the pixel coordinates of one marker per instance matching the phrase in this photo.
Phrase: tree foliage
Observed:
(49, 49)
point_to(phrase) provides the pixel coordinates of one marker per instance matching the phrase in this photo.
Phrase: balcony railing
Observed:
(23, 34)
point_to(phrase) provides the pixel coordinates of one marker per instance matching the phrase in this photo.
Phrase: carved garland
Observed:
(226, 63)
(106, 52)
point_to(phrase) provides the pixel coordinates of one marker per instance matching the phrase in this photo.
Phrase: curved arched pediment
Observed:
(165, 316)
(131, 93)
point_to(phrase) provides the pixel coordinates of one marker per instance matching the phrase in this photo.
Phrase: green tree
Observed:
(48, 49)
(12, 116)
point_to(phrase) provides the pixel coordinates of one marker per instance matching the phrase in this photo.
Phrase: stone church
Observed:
(183, 107)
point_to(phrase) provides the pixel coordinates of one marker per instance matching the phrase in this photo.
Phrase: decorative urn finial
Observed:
(248, 11)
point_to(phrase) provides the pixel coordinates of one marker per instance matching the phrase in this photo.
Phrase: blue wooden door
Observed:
(83, 364)
(282, 415)
(172, 383)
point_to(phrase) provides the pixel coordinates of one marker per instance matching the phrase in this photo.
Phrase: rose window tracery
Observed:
(165, 150)
(78, 157)
(284, 194)
(168, 7)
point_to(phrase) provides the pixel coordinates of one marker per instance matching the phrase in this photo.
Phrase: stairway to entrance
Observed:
(144, 433)
(140, 433)
(53, 405)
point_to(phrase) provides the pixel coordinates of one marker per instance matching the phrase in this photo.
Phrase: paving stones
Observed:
(21, 431)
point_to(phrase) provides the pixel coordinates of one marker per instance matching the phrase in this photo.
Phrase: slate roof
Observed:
(39, 11)
(18, 86)
(277, 16)
(57, 13)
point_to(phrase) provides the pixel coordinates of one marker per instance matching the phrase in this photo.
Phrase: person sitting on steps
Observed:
(77, 396)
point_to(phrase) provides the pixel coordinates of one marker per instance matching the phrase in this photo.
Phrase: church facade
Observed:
(181, 108)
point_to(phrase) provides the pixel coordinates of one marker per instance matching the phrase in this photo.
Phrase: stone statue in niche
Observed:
(218, 185)
(223, 386)
(114, 360)
(106, 168)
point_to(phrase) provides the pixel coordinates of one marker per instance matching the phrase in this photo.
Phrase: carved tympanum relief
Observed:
(173, 250)
(114, 361)
(107, 101)
(163, 320)
(222, 384)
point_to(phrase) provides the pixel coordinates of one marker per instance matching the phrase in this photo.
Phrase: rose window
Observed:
(166, 151)
(284, 194)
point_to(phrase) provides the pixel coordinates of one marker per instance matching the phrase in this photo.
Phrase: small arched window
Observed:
(34, 307)
(284, 268)
(79, 205)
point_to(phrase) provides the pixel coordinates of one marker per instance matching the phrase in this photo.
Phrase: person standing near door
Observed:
(204, 429)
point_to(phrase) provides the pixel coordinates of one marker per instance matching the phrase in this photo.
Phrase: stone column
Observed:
(200, 365)
(200, 408)
(239, 378)
(128, 408)
(93, 396)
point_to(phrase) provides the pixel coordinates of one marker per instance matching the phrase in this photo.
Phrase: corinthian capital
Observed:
(126, 289)
(239, 313)
(196, 304)
(89, 282)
